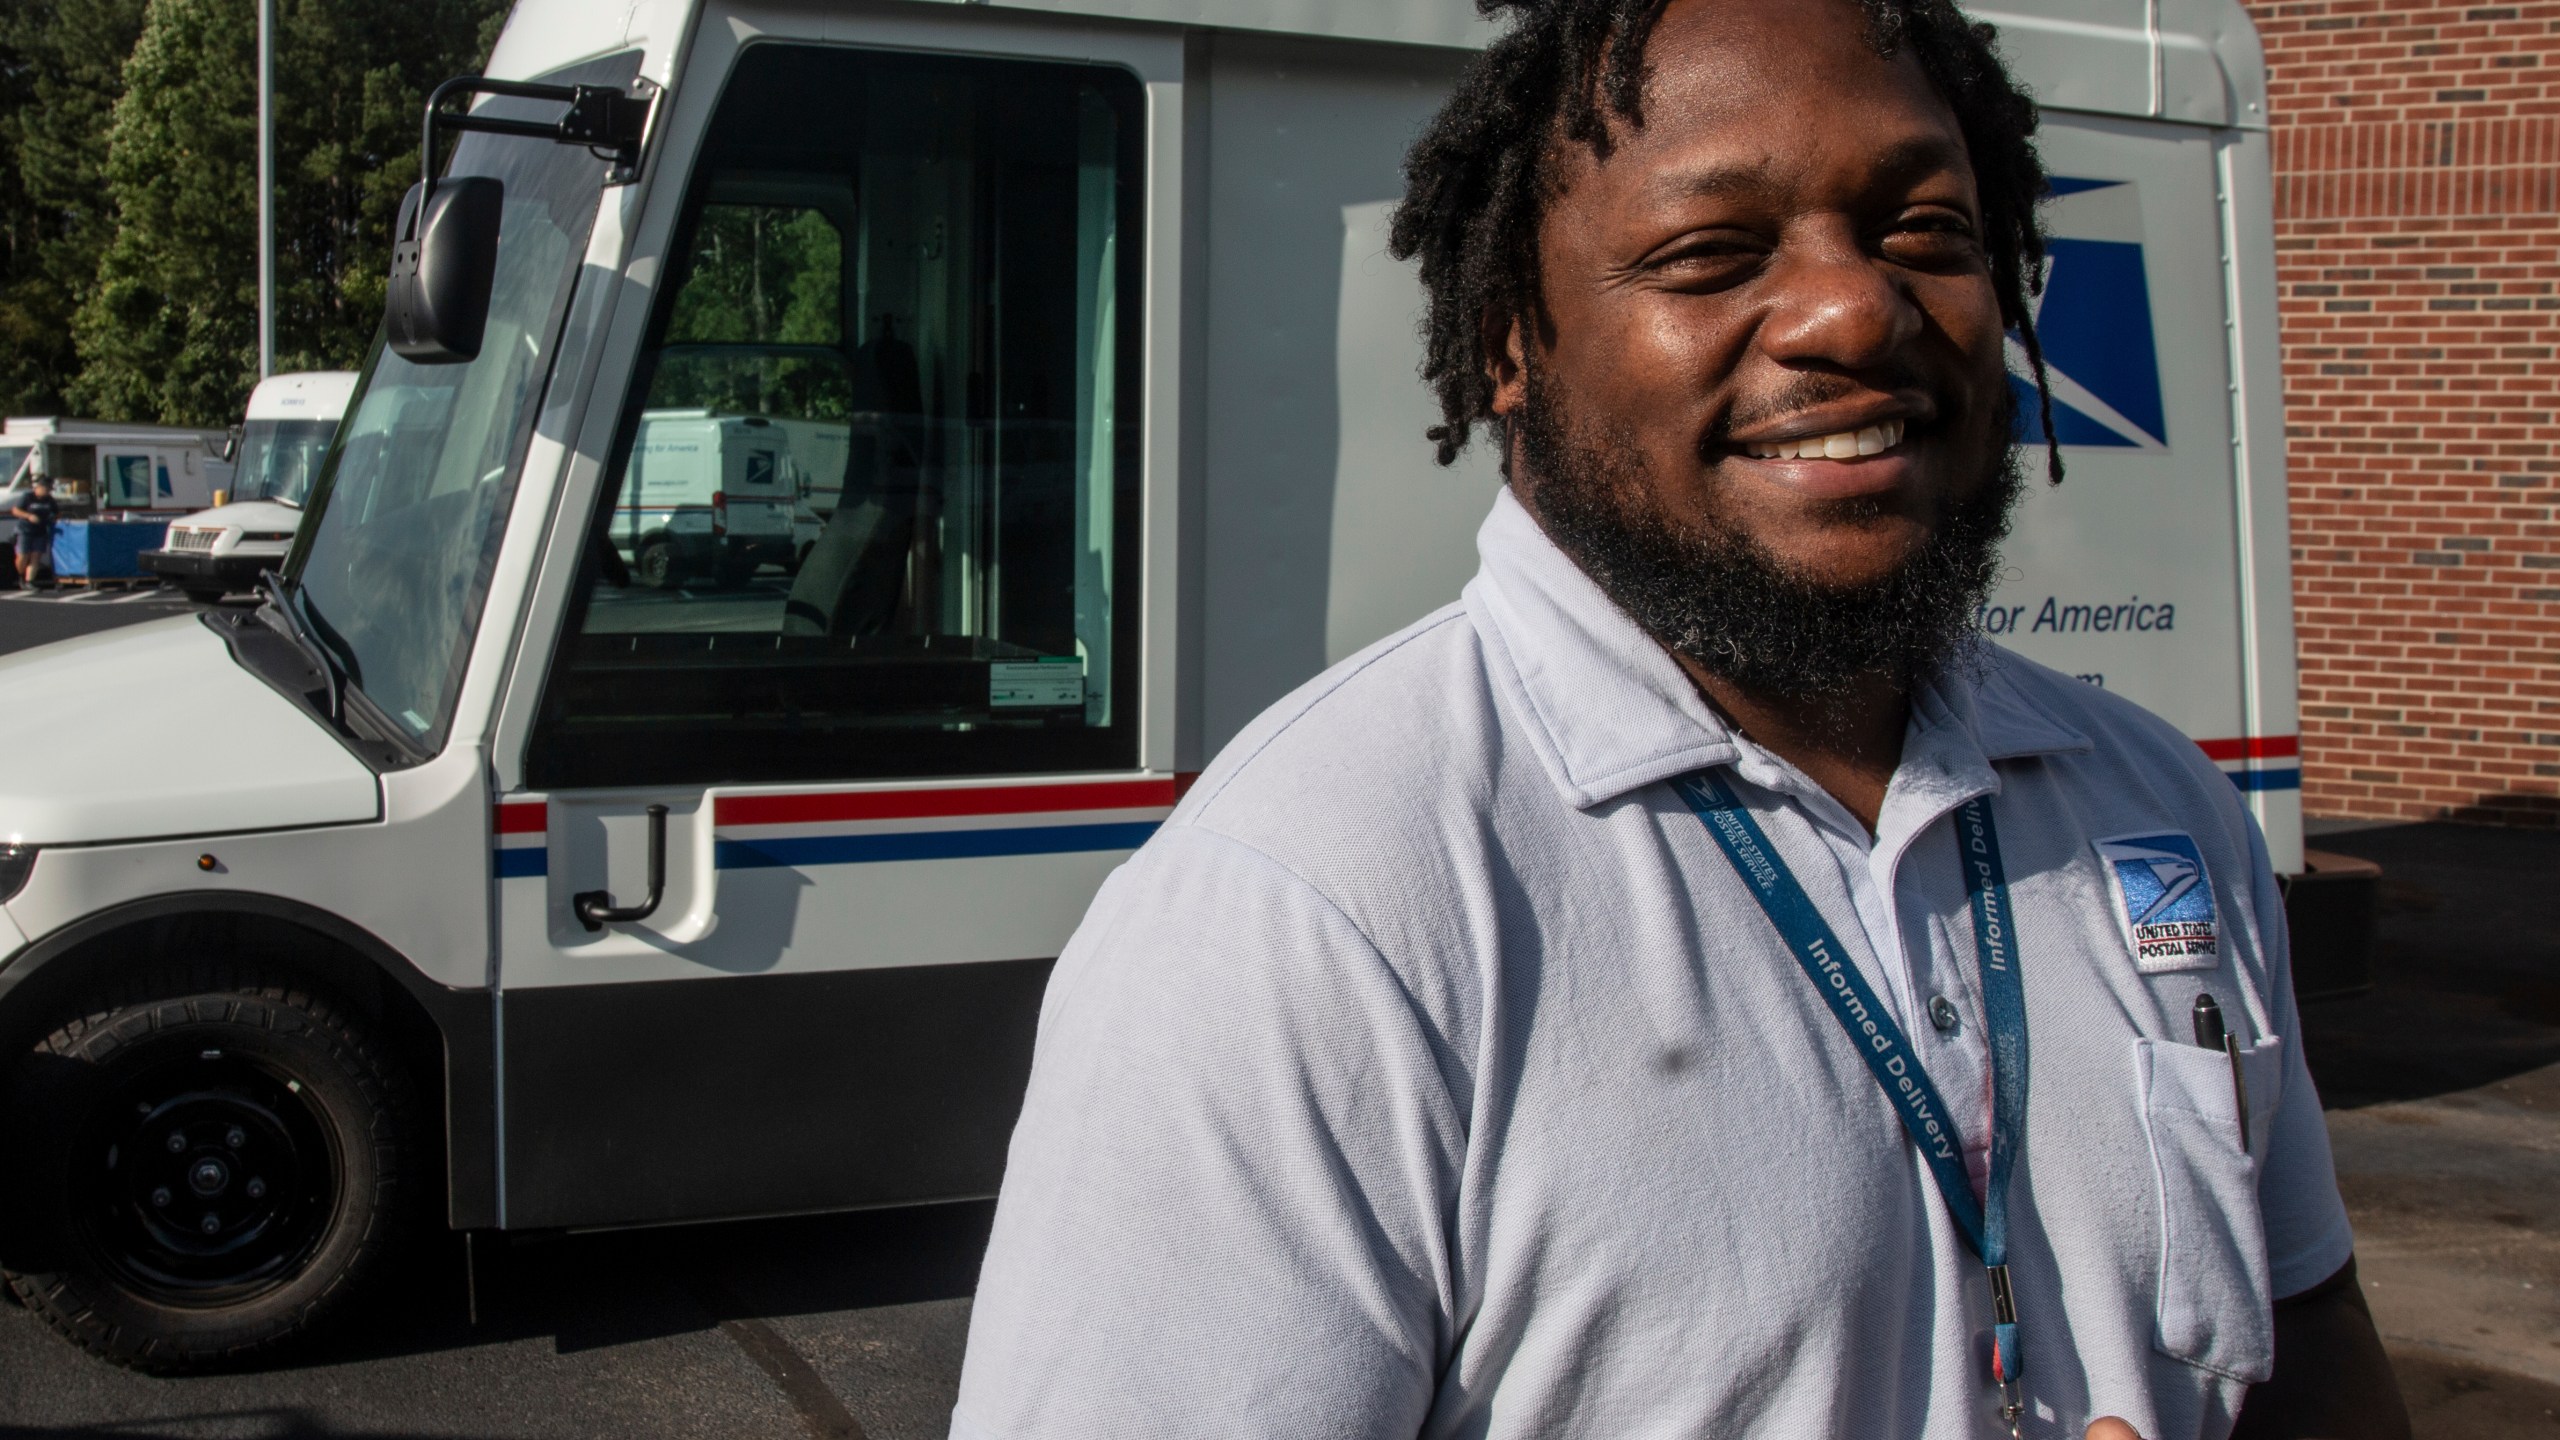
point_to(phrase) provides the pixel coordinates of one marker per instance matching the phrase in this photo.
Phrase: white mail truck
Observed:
(291, 420)
(705, 494)
(545, 899)
(102, 467)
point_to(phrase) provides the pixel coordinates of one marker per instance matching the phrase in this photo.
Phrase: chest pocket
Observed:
(2216, 1310)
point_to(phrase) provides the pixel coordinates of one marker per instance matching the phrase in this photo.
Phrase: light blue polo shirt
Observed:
(1432, 1073)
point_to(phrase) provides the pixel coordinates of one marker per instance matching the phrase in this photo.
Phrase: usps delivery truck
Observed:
(101, 467)
(705, 494)
(546, 899)
(291, 420)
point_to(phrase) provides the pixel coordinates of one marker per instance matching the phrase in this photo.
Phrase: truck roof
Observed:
(2193, 61)
(303, 395)
(27, 429)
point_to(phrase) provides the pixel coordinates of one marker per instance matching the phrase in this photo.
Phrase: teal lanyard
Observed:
(1880, 1042)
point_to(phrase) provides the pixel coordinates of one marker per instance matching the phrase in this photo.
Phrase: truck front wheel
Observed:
(657, 568)
(209, 1166)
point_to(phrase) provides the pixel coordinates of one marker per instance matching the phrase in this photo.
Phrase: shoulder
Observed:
(2134, 762)
(1384, 740)
(1372, 797)
(2109, 720)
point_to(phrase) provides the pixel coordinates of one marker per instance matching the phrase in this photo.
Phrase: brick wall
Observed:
(2417, 159)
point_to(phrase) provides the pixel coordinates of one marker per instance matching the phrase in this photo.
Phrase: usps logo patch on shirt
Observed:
(2164, 896)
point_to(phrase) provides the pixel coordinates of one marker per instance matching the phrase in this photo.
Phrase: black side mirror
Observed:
(443, 264)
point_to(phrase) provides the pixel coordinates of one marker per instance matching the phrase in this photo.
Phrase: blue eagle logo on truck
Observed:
(2094, 317)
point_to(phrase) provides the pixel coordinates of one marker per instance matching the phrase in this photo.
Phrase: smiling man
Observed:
(1694, 986)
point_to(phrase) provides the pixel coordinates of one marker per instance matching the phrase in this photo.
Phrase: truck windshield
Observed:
(278, 459)
(405, 520)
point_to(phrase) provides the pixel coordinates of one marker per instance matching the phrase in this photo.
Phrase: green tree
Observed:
(61, 73)
(169, 330)
(354, 75)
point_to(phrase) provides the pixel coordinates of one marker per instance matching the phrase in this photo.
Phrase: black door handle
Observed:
(595, 908)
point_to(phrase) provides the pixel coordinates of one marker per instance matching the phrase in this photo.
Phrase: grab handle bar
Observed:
(595, 908)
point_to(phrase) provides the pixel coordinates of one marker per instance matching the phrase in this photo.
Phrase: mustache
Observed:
(1804, 390)
(1712, 593)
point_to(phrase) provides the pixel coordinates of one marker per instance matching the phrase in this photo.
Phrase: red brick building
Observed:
(2417, 160)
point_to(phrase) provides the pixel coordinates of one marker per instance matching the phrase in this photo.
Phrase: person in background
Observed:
(36, 515)
(1695, 985)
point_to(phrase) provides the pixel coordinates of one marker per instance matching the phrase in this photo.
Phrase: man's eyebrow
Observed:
(1919, 155)
(1901, 161)
(1709, 182)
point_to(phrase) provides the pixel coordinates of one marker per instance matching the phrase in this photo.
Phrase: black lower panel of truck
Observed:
(661, 1101)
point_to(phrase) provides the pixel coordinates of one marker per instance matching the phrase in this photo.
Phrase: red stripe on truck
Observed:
(923, 804)
(524, 818)
(2252, 747)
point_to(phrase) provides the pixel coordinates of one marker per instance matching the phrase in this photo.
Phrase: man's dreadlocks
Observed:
(1478, 181)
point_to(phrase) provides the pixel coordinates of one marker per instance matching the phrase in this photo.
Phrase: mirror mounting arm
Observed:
(599, 117)
(444, 249)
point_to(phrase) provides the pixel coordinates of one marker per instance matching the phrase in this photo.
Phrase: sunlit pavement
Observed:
(2443, 1083)
(2444, 1088)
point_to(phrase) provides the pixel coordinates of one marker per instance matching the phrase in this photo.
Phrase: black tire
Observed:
(655, 566)
(202, 596)
(210, 1166)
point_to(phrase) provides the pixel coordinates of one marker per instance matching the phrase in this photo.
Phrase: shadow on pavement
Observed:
(279, 1424)
(2450, 1400)
(594, 1291)
(2466, 966)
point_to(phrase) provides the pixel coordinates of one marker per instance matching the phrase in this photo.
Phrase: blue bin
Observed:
(104, 549)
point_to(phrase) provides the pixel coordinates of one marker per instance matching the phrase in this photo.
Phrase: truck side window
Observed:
(875, 510)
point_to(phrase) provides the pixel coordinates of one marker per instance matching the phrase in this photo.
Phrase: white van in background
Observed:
(707, 495)
(283, 439)
(102, 467)
(565, 902)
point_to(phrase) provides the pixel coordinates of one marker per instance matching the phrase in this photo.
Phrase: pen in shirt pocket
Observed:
(2213, 1035)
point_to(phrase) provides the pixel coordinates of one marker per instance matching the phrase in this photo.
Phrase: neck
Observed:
(1848, 742)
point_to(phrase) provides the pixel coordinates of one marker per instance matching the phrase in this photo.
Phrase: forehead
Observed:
(1777, 93)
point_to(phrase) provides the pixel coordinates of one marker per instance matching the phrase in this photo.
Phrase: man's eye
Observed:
(1932, 240)
(1706, 262)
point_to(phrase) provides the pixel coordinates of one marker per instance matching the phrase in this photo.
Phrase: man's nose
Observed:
(1838, 307)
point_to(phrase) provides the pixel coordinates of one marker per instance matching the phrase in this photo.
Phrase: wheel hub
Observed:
(209, 1177)
(215, 1178)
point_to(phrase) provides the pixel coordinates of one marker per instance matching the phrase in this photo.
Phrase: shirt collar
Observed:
(1608, 711)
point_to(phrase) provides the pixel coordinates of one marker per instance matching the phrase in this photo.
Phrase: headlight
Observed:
(17, 862)
(268, 535)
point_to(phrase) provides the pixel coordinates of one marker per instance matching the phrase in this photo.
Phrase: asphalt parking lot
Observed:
(29, 618)
(2443, 1084)
(2443, 1090)
(830, 1327)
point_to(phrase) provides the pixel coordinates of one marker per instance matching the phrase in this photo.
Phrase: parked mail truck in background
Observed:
(102, 467)
(706, 495)
(548, 899)
(283, 438)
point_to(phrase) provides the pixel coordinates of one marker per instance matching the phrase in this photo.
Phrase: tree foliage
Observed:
(61, 73)
(758, 276)
(128, 259)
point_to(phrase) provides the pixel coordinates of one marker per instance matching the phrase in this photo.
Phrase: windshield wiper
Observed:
(297, 628)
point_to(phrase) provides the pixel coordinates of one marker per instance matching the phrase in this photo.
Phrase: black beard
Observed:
(1717, 597)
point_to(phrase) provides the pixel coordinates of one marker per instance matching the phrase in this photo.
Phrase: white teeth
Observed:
(1840, 445)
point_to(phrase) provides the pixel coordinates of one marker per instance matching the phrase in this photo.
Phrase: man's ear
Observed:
(1506, 364)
